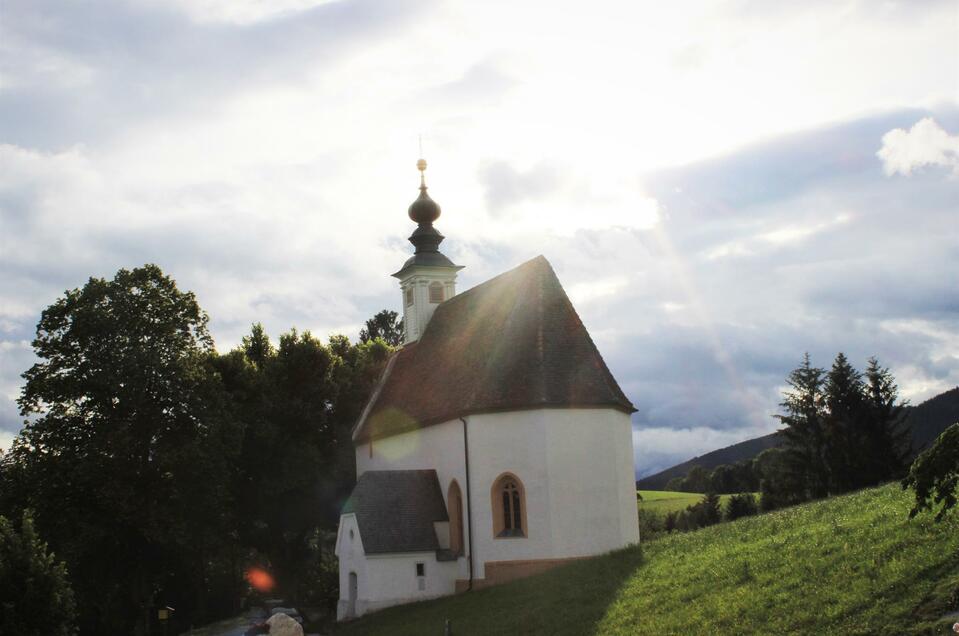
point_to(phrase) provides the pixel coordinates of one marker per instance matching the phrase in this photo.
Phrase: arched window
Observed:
(509, 507)
(454, 504)
(436, 292)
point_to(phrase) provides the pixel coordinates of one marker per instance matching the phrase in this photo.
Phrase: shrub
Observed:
(742, 505)
(651, 524)
(35, 596)
(669, 522)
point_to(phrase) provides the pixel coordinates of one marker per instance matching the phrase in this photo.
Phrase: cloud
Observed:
(79, 73)
(262, 154)
(925, 144)
(658, 448)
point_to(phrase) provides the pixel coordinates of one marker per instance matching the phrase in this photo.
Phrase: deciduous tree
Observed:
(934, 476)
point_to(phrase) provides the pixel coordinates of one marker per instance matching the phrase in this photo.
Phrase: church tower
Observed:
(428, 277)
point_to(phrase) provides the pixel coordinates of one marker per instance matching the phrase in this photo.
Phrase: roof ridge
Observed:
(479, 286)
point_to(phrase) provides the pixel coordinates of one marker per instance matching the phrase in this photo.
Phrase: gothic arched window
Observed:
(454, 504)
(509, 507)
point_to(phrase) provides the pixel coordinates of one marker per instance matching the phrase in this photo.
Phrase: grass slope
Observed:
(664, 501)
(850, 565)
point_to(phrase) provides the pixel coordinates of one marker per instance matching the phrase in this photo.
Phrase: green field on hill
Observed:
(669, 500)
(849, 565)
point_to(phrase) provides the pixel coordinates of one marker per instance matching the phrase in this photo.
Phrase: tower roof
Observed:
(514, 342)
(425, 238)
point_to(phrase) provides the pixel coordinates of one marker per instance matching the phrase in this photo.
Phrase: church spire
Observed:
(428, 277)
(424, 211)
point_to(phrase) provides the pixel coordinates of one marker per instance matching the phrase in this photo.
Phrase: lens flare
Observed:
(259, 579)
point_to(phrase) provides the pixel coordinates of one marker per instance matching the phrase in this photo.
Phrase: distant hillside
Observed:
(932, 417)
(729, 455)
(927, 421)
(854, 564)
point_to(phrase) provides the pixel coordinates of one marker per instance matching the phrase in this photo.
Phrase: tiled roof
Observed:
(395, 510)
(514, 342)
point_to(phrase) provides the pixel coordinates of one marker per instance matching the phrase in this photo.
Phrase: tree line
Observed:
(160, 471)
(843, 430)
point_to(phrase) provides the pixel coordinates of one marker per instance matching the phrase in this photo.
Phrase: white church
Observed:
(496, 444)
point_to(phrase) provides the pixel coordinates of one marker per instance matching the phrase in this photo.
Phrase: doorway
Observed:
(351, 608)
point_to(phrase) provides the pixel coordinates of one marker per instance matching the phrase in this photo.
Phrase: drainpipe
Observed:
(469, 507)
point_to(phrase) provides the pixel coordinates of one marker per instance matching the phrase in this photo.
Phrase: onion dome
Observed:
(424, 210)
(425, 238)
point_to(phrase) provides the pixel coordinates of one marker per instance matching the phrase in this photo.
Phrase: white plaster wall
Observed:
(393, 579)
(576, 466)
(417, 315)
(439, 447)
(352, 558)
(386, 580)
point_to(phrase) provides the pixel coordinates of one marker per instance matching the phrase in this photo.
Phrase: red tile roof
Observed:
(514, 342)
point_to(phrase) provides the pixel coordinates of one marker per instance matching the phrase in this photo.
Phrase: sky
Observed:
(720, 186)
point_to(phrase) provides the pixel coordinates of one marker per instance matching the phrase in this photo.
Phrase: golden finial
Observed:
(421, 166)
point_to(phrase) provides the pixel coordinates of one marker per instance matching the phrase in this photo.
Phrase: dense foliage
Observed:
(724, 479)
(35, 595)
(934, 476)
(386, 325)
(844, 430)
(183, 465)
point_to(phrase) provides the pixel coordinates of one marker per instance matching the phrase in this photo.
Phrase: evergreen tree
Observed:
(805, 448)
(887, 436)
(845, 426)
(697, 480)
(675, 484)
(711, 510)
(741, 505)
(35, 595)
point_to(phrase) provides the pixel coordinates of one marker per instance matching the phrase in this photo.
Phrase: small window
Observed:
(436, 292)
(420, 569)
(351, 534)
(409, 296)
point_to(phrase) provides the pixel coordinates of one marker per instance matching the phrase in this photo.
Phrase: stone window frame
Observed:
(408, 296)
(500, 529)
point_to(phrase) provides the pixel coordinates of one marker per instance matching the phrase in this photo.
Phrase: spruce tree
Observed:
(805, 450)
(845, 426)
(888, 440)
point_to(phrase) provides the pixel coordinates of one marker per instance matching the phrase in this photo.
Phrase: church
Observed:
(495, 445)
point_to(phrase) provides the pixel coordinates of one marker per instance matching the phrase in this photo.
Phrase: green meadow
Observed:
(664, 501)
(854, 564)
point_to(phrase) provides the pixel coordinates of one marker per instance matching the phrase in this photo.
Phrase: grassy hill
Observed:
(850, 565)
(926, 421)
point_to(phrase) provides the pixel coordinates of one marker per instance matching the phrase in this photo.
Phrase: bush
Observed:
(669, 522)
(35, 595)
(651, 524)
(742, 505)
